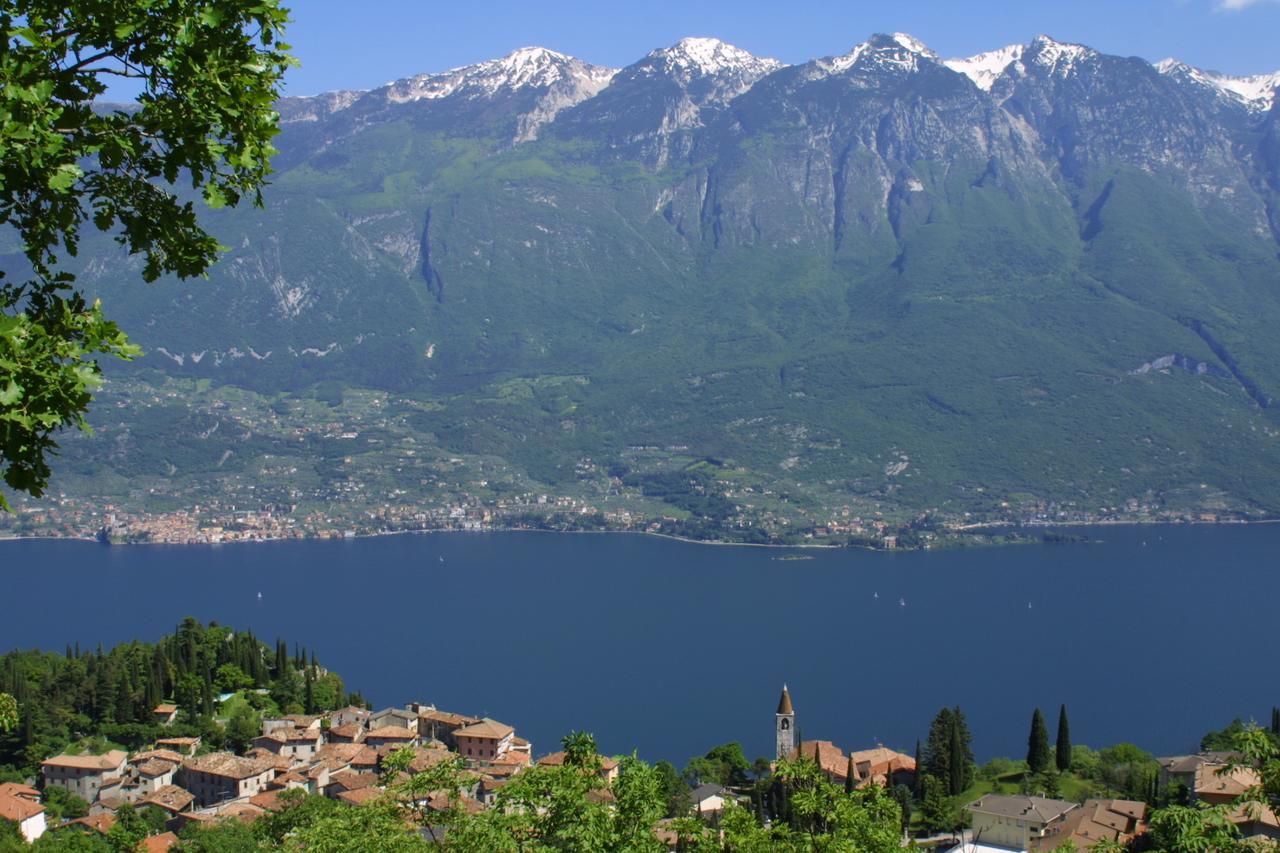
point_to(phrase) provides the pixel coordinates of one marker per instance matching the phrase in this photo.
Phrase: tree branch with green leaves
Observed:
(209, 73)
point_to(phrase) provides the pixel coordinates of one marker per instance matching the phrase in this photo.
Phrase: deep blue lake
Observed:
(1153, 636)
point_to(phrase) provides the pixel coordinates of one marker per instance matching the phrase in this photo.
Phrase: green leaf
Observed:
(65, 177)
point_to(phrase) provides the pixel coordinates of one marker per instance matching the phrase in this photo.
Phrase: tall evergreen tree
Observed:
(1038, 744)
(850, 775)
(965, 740)
(937, 755)
(1275, 721)
(919, 787)
(1063, 751)
(955, 763)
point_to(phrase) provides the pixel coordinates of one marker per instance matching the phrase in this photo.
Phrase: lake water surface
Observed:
(1154, 636)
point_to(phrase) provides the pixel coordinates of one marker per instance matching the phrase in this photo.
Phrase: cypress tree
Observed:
(937, 754)
(1275, 721)
(1063, 753)
(966, 747)
(849, 774)
(1038, 744)
(955, 764)
(918, 792)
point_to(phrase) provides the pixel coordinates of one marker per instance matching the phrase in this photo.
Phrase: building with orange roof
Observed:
(171, 798)
(184, 746)
(297, 744)
(99, 823)
(485, 740)
(349, 780)
(1096, 821)
(159, 843)
(84, 775)
(20, 805)
(161, 754)
(441, 725)
(1223, 784)
(348, 733)
(360, 796)
(220, 776)
(879, 766)
(608, 766)
(245, 812)
(268, 800)
(399, 736)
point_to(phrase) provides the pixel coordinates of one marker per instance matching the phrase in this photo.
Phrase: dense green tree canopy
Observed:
(209, 73)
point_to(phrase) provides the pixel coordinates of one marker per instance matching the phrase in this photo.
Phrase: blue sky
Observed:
(360, 45)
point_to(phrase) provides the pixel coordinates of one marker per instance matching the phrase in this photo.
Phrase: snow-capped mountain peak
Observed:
(709, 57)
(1060, 58)
(1256, 92)
(897, 52)
(985, 68)
(525, 68)
(554, 82)
(913, 44)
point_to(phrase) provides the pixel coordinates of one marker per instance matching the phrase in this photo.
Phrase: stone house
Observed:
(221, 776)
(296, 744)
(1014, 821)
(165, 714)
(485, 740)
(396, 736)
(84, 775)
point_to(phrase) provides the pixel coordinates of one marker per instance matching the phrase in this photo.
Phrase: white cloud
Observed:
(1237, 5)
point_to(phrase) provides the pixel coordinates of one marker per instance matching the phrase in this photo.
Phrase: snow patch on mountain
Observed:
(316, 107)
(1257, 92)
(985, 68)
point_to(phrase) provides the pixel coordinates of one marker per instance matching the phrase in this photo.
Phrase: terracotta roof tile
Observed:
(17, 808)
(486, 729)
(228, 765)
(159, 843)
(390, 733)
(101, 823)
(107, 761)
(171, 798)
(360, 796)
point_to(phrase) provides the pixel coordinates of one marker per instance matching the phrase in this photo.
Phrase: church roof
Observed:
(784, 703)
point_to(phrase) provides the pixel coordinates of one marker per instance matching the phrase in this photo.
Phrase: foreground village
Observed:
(343, 755)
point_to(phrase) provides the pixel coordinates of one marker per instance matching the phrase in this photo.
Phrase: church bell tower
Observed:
(785, 725)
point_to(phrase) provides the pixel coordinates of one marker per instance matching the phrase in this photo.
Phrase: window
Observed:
(786, 724)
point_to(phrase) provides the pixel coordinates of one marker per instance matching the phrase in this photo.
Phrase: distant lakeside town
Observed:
(305, 469)
(70, 518)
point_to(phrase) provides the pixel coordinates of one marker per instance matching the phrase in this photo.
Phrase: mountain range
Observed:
(1042, 276)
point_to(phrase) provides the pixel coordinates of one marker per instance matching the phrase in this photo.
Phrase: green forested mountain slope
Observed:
(1061, 284)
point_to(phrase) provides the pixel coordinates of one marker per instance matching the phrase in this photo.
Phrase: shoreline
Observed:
(969, 528)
